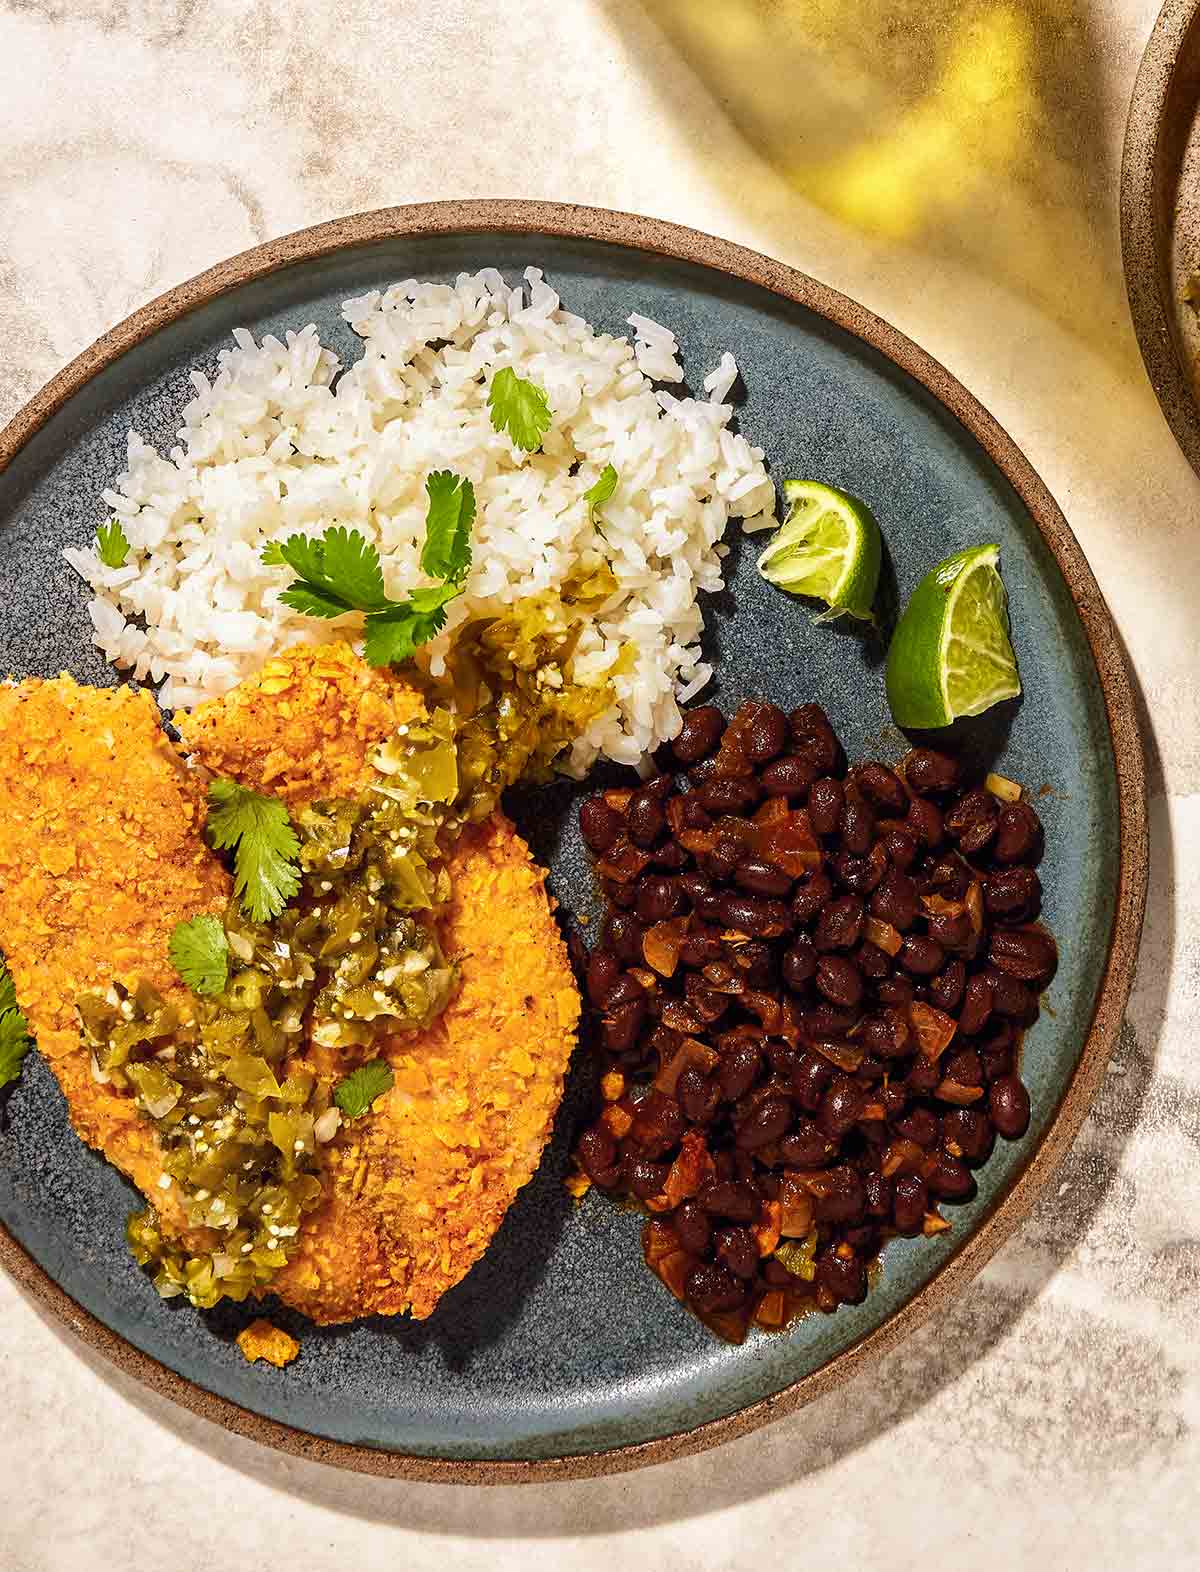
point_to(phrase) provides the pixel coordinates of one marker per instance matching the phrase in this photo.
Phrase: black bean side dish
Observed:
(812, 986)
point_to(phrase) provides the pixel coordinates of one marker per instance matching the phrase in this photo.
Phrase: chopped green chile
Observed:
(350, 959)
(799, 1256)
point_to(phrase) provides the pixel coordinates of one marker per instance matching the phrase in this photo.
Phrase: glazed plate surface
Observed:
(560, 1354)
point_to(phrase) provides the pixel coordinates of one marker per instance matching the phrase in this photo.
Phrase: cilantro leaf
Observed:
(447, 550)
(271, 556)
(336, 573)
(596, 496)
(519, 407)
(394, 636)
(361, 1087)
(264, 845)
(199, 952)
(15, 1041)
(112, 545)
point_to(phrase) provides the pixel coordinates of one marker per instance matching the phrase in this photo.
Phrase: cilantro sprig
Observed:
(112, 544)
(15, 1041)
(199, 952)
(355, 1094)
(259, 832)
(340, 571)
(519, 407)
(597, 495)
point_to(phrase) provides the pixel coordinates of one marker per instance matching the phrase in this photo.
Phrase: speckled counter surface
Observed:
(954, 167)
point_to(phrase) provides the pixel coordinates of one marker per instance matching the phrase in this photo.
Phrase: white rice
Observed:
(270, 448)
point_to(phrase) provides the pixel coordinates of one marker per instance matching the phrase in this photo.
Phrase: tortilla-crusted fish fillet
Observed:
(417, 1188)
(100, 856)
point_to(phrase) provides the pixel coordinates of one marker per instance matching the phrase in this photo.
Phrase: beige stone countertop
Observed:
(954, 165)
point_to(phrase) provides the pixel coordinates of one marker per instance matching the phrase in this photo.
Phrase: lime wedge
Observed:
(827, 547)
(950, 654)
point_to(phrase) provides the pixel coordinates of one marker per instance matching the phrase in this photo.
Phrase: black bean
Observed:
(739, 1069)
(823, 1021)
(842, 1276)
(658, 897)
(760, 877)
(603, 970)
(658, 1123)
(886, 1034)
(736, 1249)
(946, 989)
(840, 924)
(895, 991)
(708, 907)
(921, 956)
(882, 787)
(971, 821)
(997, 1052)
(670, 857)
(872, 961)
(842, 1198)
(766, 735)
(597, 1153)
(810, 1077)
(948, 877)
(645, 1178)
(918, 1124)
(623, 936)
(840, 1106)
(825, 803)
(1028, 953)
(929, 772)
(697, 1095)
(755, 959)
(799, 964)
(723, 796)
(1018, 834)
(910, 1204)
(965, 1067)
(694, 884)
(806, 1147)
(644, 818)
(692, 1227)
(599, 824)
(623, 989)
(924, 823)
(952, 930)
(700, 733)
(976, 1005)
(712, 1289)
(948, 1178)
(731, 1198)
(810, 895)
(856, 825)
(1008, 1107)
(1012, 999)
(788, 777)
(901, 849)
(746, 913)
(766, 1124)
(813, 738)
(923, 1076)
(1013, 894)
(895, 900)
(861, 874)
(894, 1097)
(969, 1130)
(878, 1193)
(840, 981)
(620, 1027)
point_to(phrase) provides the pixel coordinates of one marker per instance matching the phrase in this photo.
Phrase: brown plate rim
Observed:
(1149, 177)
(688, 245)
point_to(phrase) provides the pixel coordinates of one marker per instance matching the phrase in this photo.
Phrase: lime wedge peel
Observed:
(951, 655)
(828, 547)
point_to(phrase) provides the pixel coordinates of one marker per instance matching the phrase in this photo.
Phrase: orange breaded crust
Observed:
(416, 1189)
(100, 857)
(303, 727)
(261, 1340)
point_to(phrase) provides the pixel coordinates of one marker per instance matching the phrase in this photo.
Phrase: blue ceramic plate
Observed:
(559, 1353)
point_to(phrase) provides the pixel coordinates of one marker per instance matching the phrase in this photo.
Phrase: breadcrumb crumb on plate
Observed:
(261, 1340)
